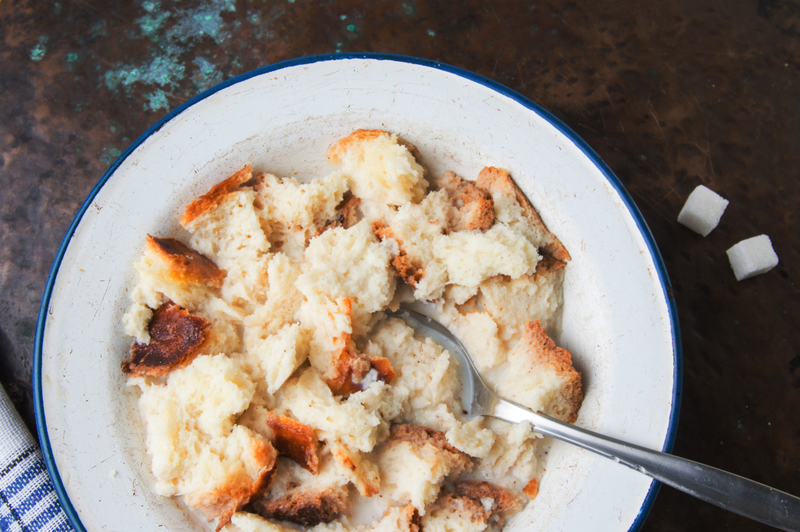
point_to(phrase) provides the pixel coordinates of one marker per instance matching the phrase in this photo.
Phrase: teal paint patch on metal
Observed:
(207, 74)
(156, 100)
(175, 32)
(164, 71)
(149, 24)
(39, 50)
(109, 155)
(100, 29)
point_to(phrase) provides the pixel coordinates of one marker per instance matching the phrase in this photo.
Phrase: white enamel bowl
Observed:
(619, 322)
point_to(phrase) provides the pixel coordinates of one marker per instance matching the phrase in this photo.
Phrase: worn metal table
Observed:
(670, 94)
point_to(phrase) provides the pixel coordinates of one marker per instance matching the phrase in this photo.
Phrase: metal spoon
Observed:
(726, 490)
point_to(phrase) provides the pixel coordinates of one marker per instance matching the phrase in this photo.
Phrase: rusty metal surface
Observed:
(670, 94)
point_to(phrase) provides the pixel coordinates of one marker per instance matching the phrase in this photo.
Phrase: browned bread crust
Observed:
(472, 207)
(504, 500)
(295, 441)
(336, 151)
(496, 180)
(304, 506)
(347, 215)
(216, 195)
(423, 435)
(347, 368)
(404, 267)
(185, 264)
(409, 520)
(541, 350)
(175, 338)
(364, 475)
(467, 503)
(531, 489)
(231, 497)
(464, 508)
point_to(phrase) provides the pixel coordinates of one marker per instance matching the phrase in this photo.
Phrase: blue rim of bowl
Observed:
(41, 422)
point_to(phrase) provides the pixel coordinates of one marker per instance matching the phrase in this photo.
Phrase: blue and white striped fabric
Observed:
(28, 502)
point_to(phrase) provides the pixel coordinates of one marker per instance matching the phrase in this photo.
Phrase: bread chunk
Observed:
(472, 209)
(379, 168)
(304, 498)
(305, 507)
(359, 421)
(452, 512)
(214, 197)
(184, 265)
(294, 204)
(475, 506)
(175, 337)
(399, 519)
(169, 270)
(507, 195)
(360, 468)
(197, 450)
(414, 463)
(512, 302)
(294, 440)
(544, 377)
(463, 258)
(226, 227)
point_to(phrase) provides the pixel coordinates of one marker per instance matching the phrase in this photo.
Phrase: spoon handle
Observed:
(726, 490)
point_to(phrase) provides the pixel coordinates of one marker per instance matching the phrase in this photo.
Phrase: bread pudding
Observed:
(278, 395)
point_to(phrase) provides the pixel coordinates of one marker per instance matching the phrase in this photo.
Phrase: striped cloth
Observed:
(28, 502)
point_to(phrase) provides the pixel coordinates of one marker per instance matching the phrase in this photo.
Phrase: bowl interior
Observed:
(617, 320)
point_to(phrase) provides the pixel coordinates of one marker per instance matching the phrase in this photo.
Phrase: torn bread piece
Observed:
(471, 208)
(168, 270)
(463, 258)
(293, 204)
(273, 359)
(295, 441)
(353, 264)
(303, 498)
(512, 301)
(379, 168)
(333, 352)
(197, 450)
(513, 207)
(226, 226)
(544, 378)
(359, 421)
(414, 463)
(361, 469)
(175, 338)
(474, 506)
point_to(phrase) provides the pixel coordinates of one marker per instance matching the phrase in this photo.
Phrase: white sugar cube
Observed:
(702, 210)
(752, 256)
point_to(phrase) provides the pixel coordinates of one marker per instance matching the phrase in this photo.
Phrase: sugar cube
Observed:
(752, 256)
(702, 210)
